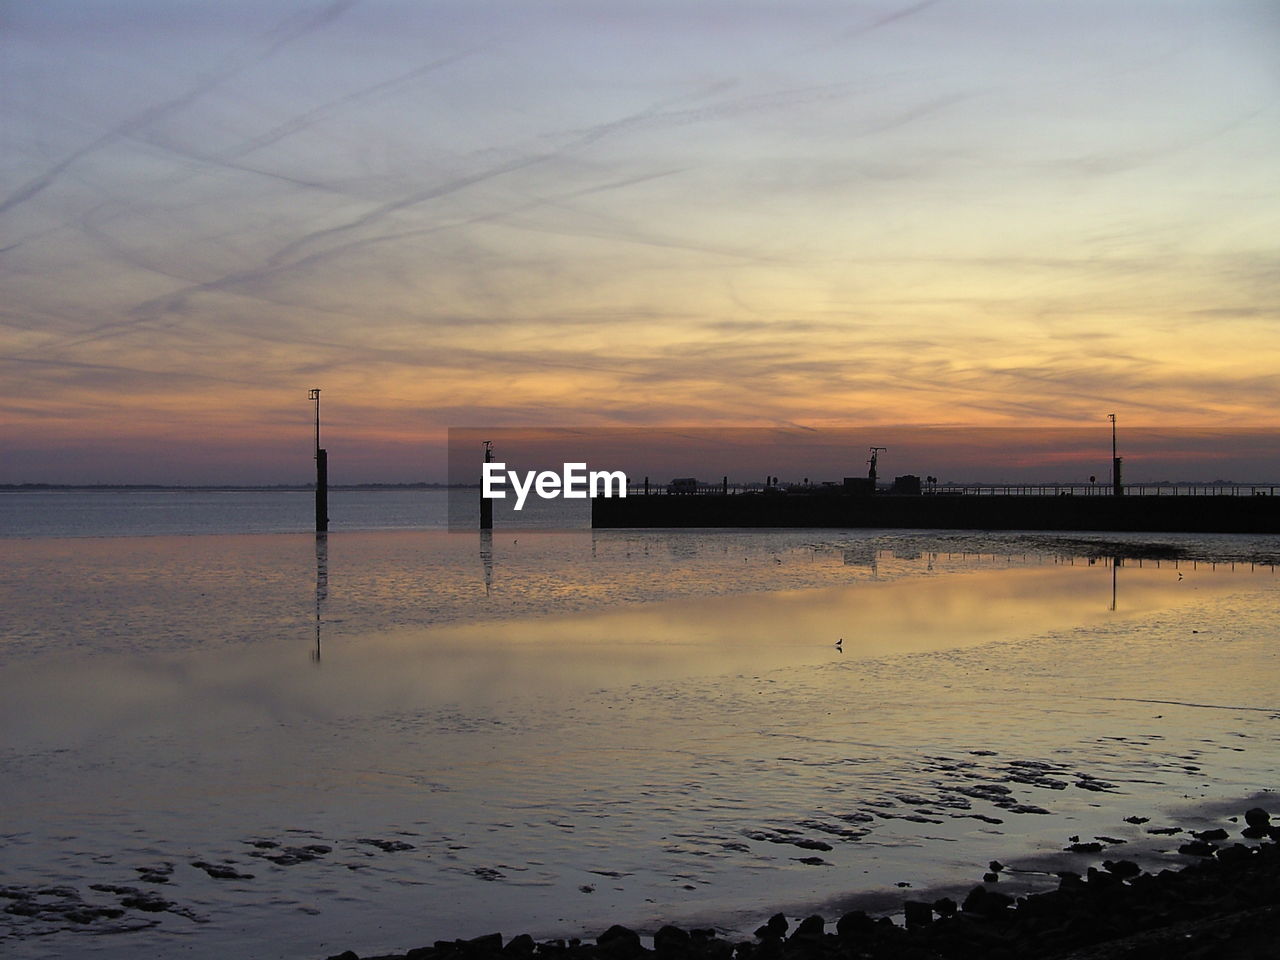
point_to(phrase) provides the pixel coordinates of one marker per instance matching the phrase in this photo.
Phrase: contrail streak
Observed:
(284, 33)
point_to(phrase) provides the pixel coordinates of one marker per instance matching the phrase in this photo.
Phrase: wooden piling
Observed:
(322, 491)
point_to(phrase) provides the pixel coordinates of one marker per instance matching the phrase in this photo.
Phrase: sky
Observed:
(952, 217)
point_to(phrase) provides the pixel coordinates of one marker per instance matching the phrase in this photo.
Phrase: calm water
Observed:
(445, 734)
(137, 513)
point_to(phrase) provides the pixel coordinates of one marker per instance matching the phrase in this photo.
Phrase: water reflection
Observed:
(322, 586)
(486, 560)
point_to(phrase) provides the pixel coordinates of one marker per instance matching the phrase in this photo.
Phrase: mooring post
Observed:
(322, 473)
(486, 505)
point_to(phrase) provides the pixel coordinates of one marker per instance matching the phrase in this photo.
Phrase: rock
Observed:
(995, 866)
(670, 940)
(1121, 868)
(345, 955)
(1257, 817)
(1210, 836)
(916, 913)
(810, 928)
(1067, 880)
(990, 877)
(620, 941)
(1234, 855)
(806, 844)
(1097, 879)
(521, 946)
(1198, 848)
(146, 901)
(985, 903)
(1084, 848)
(386, 846)
(488, 945)
(854, 926)
(775, 929)
(221, 872)
(945, 907)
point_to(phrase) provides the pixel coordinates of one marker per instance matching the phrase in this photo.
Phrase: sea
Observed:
(226, 735)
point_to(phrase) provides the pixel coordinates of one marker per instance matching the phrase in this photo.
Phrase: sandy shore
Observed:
(1224, 905)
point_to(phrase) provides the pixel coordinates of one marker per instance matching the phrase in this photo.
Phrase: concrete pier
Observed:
(1147, 514)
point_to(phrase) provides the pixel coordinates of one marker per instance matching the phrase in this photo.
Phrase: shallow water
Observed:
(554, 732)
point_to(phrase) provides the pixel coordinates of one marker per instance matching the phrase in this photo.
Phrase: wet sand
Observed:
(1223, 905)
(569, 732)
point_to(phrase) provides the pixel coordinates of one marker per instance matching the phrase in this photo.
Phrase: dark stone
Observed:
(483, 946)
(985, 903)
(345, 955)
(1235, 854)
(1257, 817)
(946, 907)
(1210, 836)
(670, 940)
(1197, 848)
(220, 872)
(990, 878)
(1122, 868)
(855, 925)
(1098, 879)
(774, 929)
(146, 901)
(620, 941)
(805, 844)
(995, 866)
(917, 913)
(810, 928)
(1089, 847)
(387, 846)
(521, 946)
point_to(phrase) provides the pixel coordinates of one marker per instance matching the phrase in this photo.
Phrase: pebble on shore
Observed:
(1225, 905)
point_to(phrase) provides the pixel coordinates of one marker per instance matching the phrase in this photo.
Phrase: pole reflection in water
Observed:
(322, 585)
(1115, 566)
(486, 559)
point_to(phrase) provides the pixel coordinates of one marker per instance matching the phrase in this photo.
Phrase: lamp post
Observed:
(322, 472)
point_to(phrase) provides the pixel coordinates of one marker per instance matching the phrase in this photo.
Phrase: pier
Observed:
(1148, 508)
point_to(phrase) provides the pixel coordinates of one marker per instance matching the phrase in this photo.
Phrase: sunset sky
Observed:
(751, 213)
